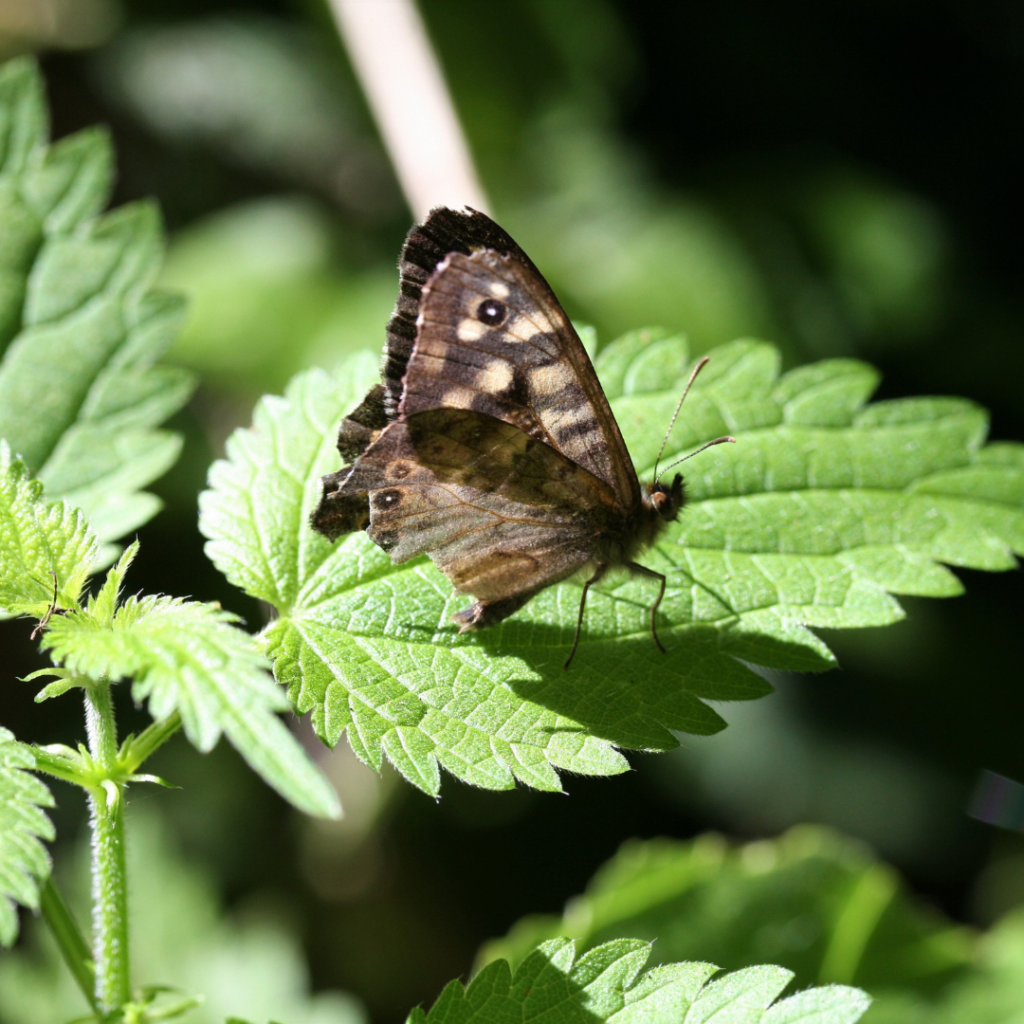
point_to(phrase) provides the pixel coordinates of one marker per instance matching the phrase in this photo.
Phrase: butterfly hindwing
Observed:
(497, 471)
(499, 512)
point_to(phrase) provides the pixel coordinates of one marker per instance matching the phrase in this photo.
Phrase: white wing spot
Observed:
(495, 377)
(499, 290)
(471, 329)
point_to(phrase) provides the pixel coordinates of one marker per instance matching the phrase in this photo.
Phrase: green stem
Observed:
(70, 941)
(100, 724)
(109, 878)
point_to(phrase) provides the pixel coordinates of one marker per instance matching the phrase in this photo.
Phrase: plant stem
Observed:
(70, 941)
(109, 880)
(100, 724)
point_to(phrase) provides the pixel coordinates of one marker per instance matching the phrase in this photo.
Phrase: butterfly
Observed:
(489, 445)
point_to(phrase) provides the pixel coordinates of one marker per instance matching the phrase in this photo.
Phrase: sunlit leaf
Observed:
(80, 394)
(41, 544)
(824, 510)
(188, 658)
(818, 904)
(609, 983)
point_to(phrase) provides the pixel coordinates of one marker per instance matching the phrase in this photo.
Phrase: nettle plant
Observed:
(826, 509)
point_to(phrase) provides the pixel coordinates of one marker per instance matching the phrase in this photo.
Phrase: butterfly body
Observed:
(490, 445)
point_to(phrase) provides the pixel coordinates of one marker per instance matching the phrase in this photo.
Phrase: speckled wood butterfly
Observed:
(490, 445)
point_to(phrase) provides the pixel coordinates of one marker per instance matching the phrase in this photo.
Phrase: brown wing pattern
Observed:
(502, 465)
(489, 444)
(493, 338)
(500, 513)
(426, 246)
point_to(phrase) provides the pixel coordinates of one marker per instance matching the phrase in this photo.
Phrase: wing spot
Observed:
(385, 500)
(495, 377)
(471, 330)
(491, 312)
(386, 540)
(400, 469)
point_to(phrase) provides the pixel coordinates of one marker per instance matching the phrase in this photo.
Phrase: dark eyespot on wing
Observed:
(337, 514)
(491, 312)
(386, 499)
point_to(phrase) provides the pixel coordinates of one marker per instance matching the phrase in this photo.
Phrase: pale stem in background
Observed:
(392, 56)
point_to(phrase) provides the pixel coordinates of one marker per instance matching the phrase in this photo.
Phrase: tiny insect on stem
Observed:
(50, 612)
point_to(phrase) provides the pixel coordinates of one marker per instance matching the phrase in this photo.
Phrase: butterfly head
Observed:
(667, 499)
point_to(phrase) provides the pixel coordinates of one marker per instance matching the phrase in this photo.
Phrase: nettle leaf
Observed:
(609, 984)
(189, 658)
(24, 861)
(80, 395)
(820, 905)
(40, 542)
(823, 511)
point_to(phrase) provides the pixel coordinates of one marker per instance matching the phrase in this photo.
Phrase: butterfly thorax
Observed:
(622, 542)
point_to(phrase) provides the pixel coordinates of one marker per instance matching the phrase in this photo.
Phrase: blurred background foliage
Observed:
(839, 179)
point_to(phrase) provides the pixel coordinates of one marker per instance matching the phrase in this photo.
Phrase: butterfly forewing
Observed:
(492, 338)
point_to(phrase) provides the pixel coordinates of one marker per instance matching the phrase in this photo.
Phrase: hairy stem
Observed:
(70, 941)
(109, 880)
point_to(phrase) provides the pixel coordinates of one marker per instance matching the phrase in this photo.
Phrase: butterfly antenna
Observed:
(675, 415)
(710, 444)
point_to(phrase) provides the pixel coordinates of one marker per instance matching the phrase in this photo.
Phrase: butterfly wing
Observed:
(493, 338)
(502, 514)
(489, 445)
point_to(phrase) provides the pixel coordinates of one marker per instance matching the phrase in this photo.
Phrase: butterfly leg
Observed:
(644, 571)
(599, 571)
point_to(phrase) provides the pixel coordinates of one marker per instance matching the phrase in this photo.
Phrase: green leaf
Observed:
(819, 905)
(24, 861)
(822, 512)
(188, 657)
(80, 395)
(609, 984)
(39, 542)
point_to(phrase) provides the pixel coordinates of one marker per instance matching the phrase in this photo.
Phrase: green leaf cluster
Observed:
(825, 510)
(24, 862)
(187, 658)
(609, 983)
(184, 658)
(248, 962)
(81, 326)
(813, 901)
